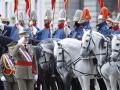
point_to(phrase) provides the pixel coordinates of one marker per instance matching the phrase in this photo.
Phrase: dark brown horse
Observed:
(48, 75)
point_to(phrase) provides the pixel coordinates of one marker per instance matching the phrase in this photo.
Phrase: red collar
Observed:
(61, 25)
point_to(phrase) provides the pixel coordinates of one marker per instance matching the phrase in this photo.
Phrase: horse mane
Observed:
(99, 36)
(48, 41)
(70, 40)
(72, 46)
(47, 45)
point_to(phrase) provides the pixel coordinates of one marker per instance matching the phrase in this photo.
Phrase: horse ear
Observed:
(112, 35)
(117, 35)
(55, 43)
(84, 31)
(55, 48)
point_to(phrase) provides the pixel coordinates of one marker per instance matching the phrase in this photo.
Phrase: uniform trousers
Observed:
(26, 84)
(10, 85)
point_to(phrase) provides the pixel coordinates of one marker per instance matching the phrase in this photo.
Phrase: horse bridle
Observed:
(65, 64)
(44, 56)
(91, 39)
(117, 51)
(87, 48)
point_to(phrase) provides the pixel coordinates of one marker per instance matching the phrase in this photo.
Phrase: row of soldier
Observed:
(81, 19)
(23, 73)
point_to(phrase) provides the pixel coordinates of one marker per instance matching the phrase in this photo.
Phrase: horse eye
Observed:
(60, 53)
(86, 40)
(117, 44)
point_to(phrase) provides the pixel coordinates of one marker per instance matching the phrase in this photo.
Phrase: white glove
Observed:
(21, 41)
(36, 77)
(1, 26)
(3, 78)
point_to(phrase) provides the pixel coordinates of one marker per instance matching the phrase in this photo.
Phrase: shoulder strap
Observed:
(7, 62)
(25, 54)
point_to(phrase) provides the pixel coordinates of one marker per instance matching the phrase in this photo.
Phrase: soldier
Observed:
(33, 29)
(12, 21)
(60, 32)
(3, 48)
(102, 25)
(7, 69)
(109, 22)
(5, 21)
(85, 19)
(12, 31)
(104, 29)
(46, 32)
(116, 27)
(82, 24)
(76, 31)
(26, 65)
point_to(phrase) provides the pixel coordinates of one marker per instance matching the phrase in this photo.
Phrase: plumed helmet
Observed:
(13, 43)
(5, 20)
(85, 14)
(21, 19)
(21, 30)
(48, 15)
(104, 13)
(33, 16)
(110, 19)
(77, 15)
(62, 15)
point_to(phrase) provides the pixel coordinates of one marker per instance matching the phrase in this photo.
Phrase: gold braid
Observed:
(5, 65)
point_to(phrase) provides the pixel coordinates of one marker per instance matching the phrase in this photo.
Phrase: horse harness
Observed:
(118, 51)
(43, 54)
(107, 58)
(68, 65)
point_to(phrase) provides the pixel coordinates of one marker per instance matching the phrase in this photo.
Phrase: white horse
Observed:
(115, 57)
(96, 42)
(67, 52)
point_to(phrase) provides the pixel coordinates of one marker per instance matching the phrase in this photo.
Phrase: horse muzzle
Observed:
(84, 53)
(114, 58)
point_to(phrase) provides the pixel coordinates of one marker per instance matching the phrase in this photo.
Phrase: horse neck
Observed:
(97, 50)
(74, 53)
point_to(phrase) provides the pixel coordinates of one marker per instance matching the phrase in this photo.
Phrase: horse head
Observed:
(45, 52)
(95, 42)
(67, 51)
(87, 44)
(115, 47)
(59, 54)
